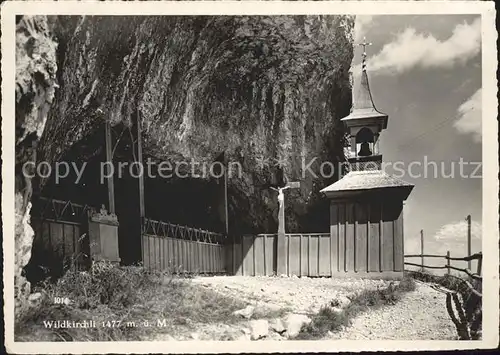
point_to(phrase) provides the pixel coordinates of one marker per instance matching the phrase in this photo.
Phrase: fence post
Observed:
(142, 213)
(469, 247)
(422, 248)
(448, 262)
(281, 246)
(480, 264)
(226, 213)
(109, 160)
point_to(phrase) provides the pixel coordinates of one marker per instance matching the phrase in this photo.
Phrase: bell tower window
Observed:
(364, 125)
(365, 142)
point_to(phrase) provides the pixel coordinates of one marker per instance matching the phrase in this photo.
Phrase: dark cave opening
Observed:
(185, 201)
(182, 199)
(178, 199)
(193, 202)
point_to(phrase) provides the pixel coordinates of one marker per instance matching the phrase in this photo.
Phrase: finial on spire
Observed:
(364, 44)
(363, 107)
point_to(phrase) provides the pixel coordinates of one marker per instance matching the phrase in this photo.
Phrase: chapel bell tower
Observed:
(366, 205)
(364, 125)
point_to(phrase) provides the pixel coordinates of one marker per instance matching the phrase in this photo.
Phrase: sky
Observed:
(425, 73)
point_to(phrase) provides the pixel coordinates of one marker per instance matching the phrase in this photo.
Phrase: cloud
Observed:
(411, 49)
(469, 117)
(457, 232)
(360, 25)
(451, 238)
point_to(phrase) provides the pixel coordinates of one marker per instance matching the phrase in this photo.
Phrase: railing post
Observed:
(469, 246)
(226, 213)
(448, 261)
(422, 248)
(142, 212)
(281, 250)
(480, 264)
(110, 168)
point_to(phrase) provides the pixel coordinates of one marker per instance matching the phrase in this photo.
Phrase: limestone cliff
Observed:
(252, 87)
(35, 87)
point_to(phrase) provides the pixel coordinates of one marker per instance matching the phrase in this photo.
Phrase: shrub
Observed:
(328, 319)
(104, 292)
(462, 299)
(105, 284)
(407, 284)
(125, 294)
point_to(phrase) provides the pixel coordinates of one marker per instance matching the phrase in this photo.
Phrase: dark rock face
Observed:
(35, 86)
(253, 87)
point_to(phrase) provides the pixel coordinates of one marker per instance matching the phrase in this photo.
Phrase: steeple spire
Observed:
(364, 44)
(363, 106)
(364, 123)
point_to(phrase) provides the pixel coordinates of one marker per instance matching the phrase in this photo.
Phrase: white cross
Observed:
(364, 44)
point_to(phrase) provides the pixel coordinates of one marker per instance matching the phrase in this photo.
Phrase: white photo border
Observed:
(490, 241)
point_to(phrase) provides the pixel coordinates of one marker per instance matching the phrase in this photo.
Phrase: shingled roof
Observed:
(366, 180)
(363, 106)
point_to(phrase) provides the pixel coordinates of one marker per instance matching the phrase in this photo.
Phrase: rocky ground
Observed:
(300, 295)
(277, 308)
(420, 315)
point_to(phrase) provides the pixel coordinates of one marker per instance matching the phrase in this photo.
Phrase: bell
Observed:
(364, 150)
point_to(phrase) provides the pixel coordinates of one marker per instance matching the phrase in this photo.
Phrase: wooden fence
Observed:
(448, 266)
(468, 307)
(167, 246)
(476, 277)
(61, 235)
(307, 255)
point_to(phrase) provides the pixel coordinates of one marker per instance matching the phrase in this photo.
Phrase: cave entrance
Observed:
(177, 220)
(185, 226)
(159, 215)
(65, 194)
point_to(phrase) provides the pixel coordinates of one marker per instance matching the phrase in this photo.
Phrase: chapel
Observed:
(366, 205)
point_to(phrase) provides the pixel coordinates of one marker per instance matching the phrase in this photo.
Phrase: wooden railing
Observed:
(311, 254)
(448, 266)
(58, 210)
(475, 276)
(168, 246)
(61, 239)
(170, 230)
(469, 307)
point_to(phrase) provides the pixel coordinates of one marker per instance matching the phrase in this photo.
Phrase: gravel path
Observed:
(300, 295)
(420, 315)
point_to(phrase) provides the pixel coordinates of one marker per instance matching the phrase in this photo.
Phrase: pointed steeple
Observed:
(363, 106)
(364, 124)
(367, 191)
